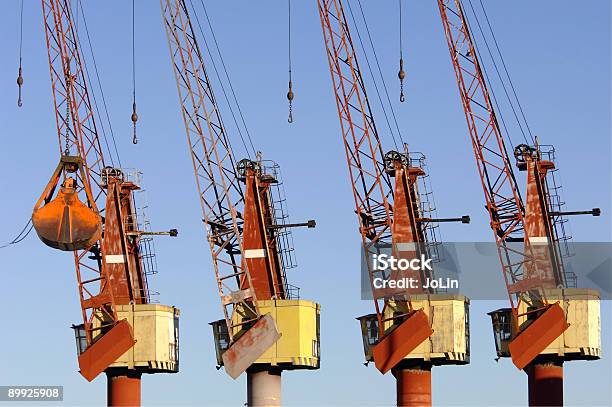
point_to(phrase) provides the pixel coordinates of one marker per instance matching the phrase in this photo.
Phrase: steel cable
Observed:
(235, 98)
(112, 134)
(503, 61)
(371, 71)
(497, 72)
(20, 76)
(21, 236)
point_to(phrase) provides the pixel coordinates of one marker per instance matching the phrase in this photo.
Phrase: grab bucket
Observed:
(64, 222)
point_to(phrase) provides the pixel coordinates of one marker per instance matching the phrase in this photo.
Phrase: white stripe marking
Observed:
(538, 239)
(406, 247)
(115, 258)
(254, 254)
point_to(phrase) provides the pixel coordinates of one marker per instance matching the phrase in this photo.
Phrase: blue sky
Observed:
(558, 54)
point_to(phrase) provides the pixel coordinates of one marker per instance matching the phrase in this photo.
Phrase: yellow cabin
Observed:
(299, 326)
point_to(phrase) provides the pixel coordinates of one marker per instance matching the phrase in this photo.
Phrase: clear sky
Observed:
(558, 52)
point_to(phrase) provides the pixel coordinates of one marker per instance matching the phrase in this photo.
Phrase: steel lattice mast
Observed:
(219, 189)
(502, 195)
(108, 250)
(391, 213)
(245, 224)
(370, 184)
(78, 136)
(533, 332)
(503, 199)
(384, 184)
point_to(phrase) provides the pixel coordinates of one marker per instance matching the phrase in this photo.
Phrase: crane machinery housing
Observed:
(394, 211)
(93, 214)
(266, 328)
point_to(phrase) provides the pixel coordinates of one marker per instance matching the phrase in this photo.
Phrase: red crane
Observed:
(390, 212)
(93, 215)
(240, 214)
(222, 195)
(524, 232)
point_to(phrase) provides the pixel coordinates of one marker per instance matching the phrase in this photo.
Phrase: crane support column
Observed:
(263, 387)
(413, 385)
(123, 388)
(545, 382)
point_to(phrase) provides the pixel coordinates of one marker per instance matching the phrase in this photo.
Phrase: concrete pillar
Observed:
(263, 387)
(123, 388)
(545, 383)
(413, 386)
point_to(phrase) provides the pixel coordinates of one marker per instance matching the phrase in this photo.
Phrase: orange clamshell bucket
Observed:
(65, 223)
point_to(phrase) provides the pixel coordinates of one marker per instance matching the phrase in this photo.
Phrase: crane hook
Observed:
(134, 120)
(19, 83)
(401, 75)
(290, 96)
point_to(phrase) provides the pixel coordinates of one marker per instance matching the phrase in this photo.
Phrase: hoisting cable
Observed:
(497, 71)
(134, 114)
(21, 236)
(401, 74)
(503, 61)
(229, 81)
(75, 13)
(380, 72)
(371, 71)
(20, 76)
(290, 94)
(384, 84)
(68, 80)
(93, 94)
(485, 73)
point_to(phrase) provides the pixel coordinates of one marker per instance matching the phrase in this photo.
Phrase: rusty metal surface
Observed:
(401, 341)
(121, 254)
(406, 230)
(106, 350)
(413, 387)
(264, 269)
(537, 336)
(545, 382)
(250, 346)
(123, 390)
(543, 271)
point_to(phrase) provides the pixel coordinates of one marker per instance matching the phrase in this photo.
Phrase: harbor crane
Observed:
(88, 208)
(549, 321)
(266, 328)
(394, 210)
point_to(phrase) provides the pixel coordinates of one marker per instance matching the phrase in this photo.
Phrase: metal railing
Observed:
(427, 207)
(280, 217)
(138, 221)
(559, 223)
